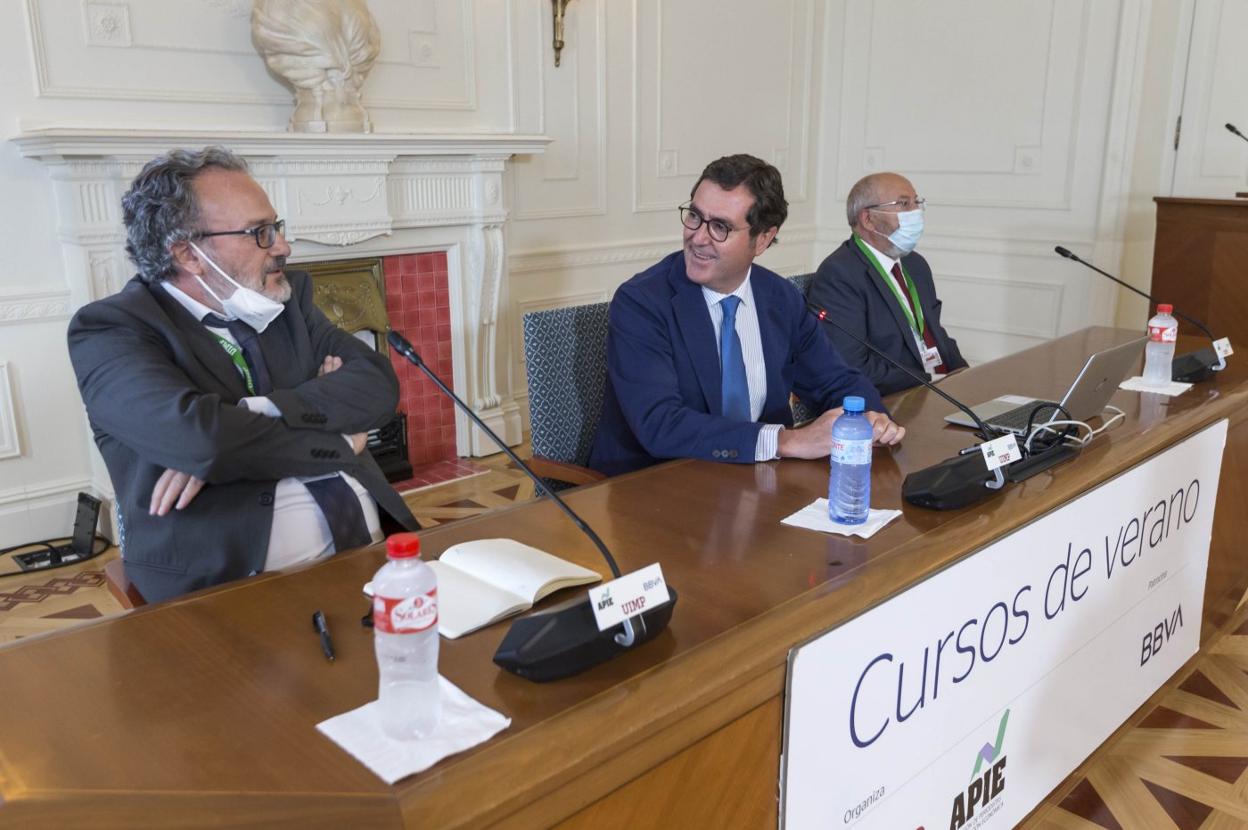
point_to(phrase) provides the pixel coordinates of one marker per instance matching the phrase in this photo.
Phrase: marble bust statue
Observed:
(324, 49)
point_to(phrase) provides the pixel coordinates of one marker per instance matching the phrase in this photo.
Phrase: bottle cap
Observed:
(854, 403)
(1164, 308)
(403, 546)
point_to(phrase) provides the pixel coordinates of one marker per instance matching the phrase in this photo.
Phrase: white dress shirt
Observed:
(752, 354)
(300, 532)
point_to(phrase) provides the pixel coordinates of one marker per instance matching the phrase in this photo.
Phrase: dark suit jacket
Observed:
(848, 287)
(160, 393)
(663, 380)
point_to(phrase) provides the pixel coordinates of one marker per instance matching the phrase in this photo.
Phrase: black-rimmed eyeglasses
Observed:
(264, 235)
(717, 228)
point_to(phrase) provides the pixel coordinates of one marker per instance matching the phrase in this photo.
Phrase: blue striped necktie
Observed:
(735, 391)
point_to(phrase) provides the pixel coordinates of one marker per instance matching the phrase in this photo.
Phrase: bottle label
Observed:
(851, 451)
(405, 616)
(1163, 334)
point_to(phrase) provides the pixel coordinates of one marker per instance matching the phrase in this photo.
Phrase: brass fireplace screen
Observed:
(352, 294)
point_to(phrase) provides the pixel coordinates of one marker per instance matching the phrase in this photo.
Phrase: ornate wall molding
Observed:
(34, 306)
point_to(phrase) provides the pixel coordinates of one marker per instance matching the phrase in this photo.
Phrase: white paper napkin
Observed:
(464, 724)
(1137, 384)
(814, 516)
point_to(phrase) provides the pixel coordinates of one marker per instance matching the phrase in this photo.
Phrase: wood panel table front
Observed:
(201, 712)
(1200, 263)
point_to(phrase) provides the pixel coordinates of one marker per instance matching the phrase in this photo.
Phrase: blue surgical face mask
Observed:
(246, 304)
(909, 230)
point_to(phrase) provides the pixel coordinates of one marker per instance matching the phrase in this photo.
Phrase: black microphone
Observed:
(1192, 367)
(955, 482)
(564, 640)
(822, 316)
(1236, 131)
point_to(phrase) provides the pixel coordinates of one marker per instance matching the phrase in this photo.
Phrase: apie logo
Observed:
(983, 789)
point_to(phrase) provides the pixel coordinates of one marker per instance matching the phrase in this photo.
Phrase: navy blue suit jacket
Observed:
(849, 288)
(663, 379)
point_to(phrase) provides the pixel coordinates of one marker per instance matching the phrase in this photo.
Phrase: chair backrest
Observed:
(800, 413)
(565, 354)
(802, 282)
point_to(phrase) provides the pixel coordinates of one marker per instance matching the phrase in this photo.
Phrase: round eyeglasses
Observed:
(264, 235)
(717, 228)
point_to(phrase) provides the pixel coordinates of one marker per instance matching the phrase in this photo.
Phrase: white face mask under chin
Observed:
(246, 304)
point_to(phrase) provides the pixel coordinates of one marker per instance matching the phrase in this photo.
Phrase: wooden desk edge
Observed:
(733, 673)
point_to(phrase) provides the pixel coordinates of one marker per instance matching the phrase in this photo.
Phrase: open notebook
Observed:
(486, 580)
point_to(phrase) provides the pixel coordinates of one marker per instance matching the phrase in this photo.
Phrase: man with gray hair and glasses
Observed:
(230, 412)
(876, 286)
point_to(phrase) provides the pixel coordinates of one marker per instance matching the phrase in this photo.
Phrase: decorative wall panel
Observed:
(570, 178)
(10, 445)
(750, 93)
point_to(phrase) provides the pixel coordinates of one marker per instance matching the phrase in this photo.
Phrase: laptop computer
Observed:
(1087, 396)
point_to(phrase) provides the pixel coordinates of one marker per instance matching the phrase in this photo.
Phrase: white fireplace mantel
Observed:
(343, 196)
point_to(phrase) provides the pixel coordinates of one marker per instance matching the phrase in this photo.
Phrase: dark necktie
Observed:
(249, 342)
(735, 391)
(338, 502)
(342, 511)
(928, 339)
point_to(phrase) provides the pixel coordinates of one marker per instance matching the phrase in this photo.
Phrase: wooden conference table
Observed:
(202, 711)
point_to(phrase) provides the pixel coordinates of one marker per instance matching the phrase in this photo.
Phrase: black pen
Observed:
(322, 628)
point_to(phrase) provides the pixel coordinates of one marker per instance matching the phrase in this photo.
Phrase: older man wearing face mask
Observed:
(230, 412)
(877, 287)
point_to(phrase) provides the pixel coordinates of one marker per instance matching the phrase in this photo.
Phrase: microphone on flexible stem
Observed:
(955, 482)
(822, 316)
(566, 640)
(1236, 131)
(1192, 367)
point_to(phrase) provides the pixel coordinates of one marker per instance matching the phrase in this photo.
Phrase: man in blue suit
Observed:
(682, 382)
(876, 286)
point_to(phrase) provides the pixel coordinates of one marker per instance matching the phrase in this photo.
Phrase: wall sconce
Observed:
(558, 7)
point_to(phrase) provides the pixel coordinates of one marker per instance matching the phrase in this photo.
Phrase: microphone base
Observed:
(565, 640)
(950, 485)
(1193, 367)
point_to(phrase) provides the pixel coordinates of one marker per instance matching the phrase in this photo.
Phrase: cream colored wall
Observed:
(1019, 122)
(1208, 91)
(647, 94)
(1160, 102)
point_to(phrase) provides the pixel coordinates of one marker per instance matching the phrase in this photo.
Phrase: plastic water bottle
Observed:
(849, 483)
(1163, 330)
(405, 626)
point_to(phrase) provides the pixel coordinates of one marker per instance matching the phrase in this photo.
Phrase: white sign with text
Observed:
(617, 600)
(965, 700)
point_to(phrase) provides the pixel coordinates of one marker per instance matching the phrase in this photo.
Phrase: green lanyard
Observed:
(240, 363)
(916, 324)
